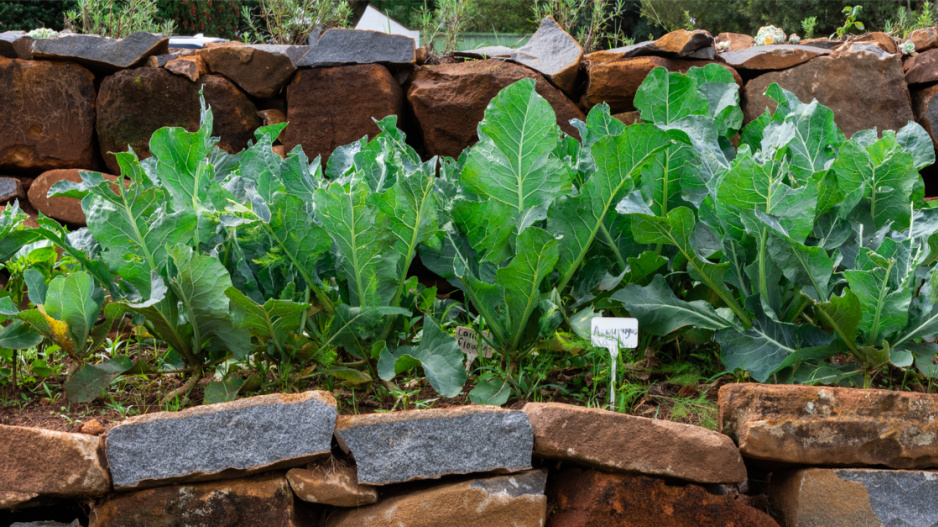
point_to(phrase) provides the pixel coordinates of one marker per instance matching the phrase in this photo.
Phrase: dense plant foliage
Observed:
(805, 256)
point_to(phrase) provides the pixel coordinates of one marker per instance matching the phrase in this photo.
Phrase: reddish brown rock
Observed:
(272, 116)
(189, 66)
(63, 209)
(331, 482)
(925, 107)
(132, 104)
(922, 68)
(813, 425)
(617, 82)
(37, 464)
(589, 498)
(822, 42)
(259, 72)
(774, 57)
(449, 100)
(46, 114)
(864, 90)
(503, 501)
(16, 45)
(737, 41)
(92, 427)
(684, 43)
(330, 107)
(627, 443)
(884, 41)
(851, 497)
(262, 501)
(924, 39)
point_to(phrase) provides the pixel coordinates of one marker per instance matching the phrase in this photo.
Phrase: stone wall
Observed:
(69, 101)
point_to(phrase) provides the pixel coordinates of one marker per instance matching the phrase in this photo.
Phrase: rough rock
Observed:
(190, 66)
(92, 427)
(10, 189)
(737, 41)
(126, 116)
(617, 82)
(331, 482)
(884, 41)
(244, 436)
(102, 54)
(696, 44)
(863, 90)
(620, 442)
(427, 444)
(159, 61)
(503, 501)
(272, 116)
(330, 107)
(259, 72)
(775, 57)
(851, 497)
(813, 425)
(822, 42)
(922, 68)
(589, 498)
(16, 45)
(37, 464)
(550, 51)
(924, 39)
(338, 47)
(449, 100)
(45, 524)
(67, 210)
(925, 107)
(46, 114)
(855, 47)
(260, 501)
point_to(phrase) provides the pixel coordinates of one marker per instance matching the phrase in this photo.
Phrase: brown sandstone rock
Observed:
(261, 501)
(330, 107)
(92, 427)
(189, 66)
(620, 442)
(16, 45)
(884, 41)
(259, 72)
(449, 100)
(503, 501)
(37, 464)
(922, 68)
(822, 42)
(132, 104)
(855, 497)
(272, 116)
(589, 498)
(925, 38)
(46, 114)
(684, 43)
(861, 88)
(616, 82)
(774, 57)
(63, 209)
(331, 483)
(925, 107)
(737, 41)
(814, 425)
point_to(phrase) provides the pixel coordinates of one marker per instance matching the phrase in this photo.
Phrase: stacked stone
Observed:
(839, 456)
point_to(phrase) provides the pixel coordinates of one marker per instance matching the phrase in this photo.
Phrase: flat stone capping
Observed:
(427, 444)
(221, 440)
(813, 425)
(619, 442)
(852, 497)
(102, 53)
(37, 464)
(337, 47)
(774, 57)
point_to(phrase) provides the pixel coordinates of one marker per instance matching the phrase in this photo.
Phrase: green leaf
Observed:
(665, 97)
(92, 379)
(843, 315)
(36, 286)
(763, 348)
(76, 301)
(535, 258)
(884, 304)
(274, 319)
(809, 267)
(814, 136)
(222, 391)
(660, 312)
(19, 335)
(512, 162)
(491, 391)
(438, 353)
(349, 375)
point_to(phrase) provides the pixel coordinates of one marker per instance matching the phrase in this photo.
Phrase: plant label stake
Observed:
(613, 333)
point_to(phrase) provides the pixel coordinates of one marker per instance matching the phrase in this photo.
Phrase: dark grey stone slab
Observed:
(427, 444)
(10, 189)
(899, 497)
(221, 440)
(15, 45)
(102, 53)
(338, 47)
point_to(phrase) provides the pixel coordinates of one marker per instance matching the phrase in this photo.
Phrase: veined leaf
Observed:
(660, 312)
(843, 315)
(439, 355)
(666, 97)
(75, 300)
(763, 348)
(885, 304)
(92, 379)
(19, 335)
(814, 136)
(275, 319)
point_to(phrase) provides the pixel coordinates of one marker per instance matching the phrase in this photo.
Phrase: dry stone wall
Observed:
(68, 102)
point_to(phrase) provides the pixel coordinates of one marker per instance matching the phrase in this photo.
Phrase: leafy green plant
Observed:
(293, 21)
(116, 19)
(590, 22)
(808, 25)
(850, 22)
(444, 22)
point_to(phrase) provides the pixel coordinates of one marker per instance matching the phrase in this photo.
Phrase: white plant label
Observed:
(469, 344)
(612, 334)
